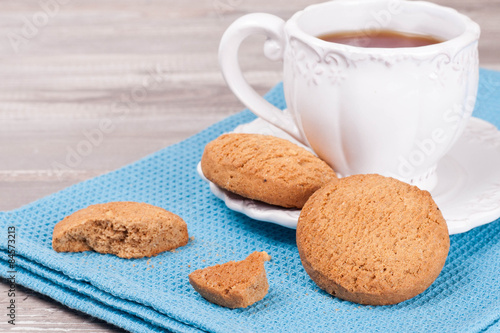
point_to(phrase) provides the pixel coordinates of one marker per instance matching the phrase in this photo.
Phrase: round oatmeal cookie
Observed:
(372, 240)
(265, 168)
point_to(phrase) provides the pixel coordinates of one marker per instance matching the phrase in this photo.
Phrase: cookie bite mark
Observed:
(125, 229)
(265, 168)
(233, 284)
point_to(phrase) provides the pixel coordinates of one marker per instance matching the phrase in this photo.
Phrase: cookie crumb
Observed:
(233, 284)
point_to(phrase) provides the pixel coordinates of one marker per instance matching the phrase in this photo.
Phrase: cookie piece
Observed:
(233, 284)
(372, 240)
(265, 168)
(126, 229)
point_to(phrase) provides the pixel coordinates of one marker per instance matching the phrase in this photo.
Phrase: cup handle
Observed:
(273, 28)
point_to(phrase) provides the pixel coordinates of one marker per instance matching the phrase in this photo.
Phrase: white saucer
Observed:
(468, 189)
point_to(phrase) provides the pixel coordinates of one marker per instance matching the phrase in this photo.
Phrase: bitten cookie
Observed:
(372, 240)
(265, 168)
(233, 284)
(126, 229)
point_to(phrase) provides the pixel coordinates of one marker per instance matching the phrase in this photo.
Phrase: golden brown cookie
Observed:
(126, 229)
(265, 168)
(372, 240)
(233, 284)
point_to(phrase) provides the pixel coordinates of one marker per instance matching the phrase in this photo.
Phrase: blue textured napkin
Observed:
(154, 295)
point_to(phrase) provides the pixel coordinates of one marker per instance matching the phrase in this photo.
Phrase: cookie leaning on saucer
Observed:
(126, 229)
(265, 168)
(372, 240)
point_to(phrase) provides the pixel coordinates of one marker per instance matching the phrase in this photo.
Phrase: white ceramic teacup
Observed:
(391, 111)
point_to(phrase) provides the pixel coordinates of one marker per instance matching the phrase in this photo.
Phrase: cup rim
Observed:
(470, 34)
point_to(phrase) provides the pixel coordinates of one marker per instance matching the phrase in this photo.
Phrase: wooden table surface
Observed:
(68, 64)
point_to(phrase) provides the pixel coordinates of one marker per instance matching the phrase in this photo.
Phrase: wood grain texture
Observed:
(88, 58)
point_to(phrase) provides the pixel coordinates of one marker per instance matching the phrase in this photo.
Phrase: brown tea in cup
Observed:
(380, 38)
